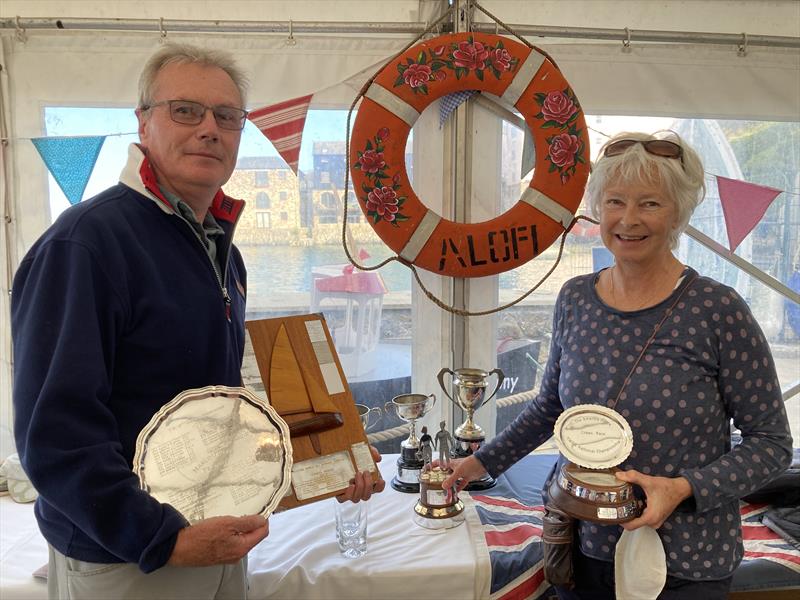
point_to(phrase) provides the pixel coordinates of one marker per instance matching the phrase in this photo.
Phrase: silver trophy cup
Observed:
(364, 412)
(409, 407)
(470, 394)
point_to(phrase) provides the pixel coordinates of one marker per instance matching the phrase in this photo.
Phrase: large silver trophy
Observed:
(410, 407)
(469, 394)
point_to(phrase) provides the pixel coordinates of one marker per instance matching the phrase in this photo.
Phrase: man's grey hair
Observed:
(186, 54)
(682, 182)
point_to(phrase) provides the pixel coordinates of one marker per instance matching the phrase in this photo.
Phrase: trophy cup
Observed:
(364, 414)
(410, 407)
(470, 395)
(434, 510)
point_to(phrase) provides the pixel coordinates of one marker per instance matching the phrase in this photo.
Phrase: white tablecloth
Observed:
(300, 558)
(22, 551)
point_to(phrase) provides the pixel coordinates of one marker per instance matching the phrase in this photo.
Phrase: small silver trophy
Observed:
(364, 413)
(409, 407)
(470, 394)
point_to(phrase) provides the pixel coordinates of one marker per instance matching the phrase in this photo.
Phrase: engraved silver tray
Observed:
(215, 451)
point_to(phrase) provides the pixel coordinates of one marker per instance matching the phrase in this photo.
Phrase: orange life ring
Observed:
(522, 77)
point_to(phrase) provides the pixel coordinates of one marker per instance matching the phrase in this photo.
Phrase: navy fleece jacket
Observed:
(115, 310)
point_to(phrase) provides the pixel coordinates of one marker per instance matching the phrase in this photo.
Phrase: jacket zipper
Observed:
(221, 279)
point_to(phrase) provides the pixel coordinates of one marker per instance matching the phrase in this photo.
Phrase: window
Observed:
(261, 178)
(262, 220)
(324, 177)
(283, 196)
(328, 200)
(284, 216)
(262, 200)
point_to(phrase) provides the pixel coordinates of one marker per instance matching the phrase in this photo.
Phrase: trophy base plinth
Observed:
(439, 518)
(594, 495)
(433, 509)
(407, 478)
(402, 486)
(466, 447)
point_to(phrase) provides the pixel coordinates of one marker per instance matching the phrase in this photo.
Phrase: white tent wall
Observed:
(89, 68)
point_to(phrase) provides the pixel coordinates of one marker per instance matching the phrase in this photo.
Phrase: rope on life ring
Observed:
(520, 76)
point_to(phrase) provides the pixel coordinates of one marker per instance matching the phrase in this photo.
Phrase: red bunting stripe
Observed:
(282, 124)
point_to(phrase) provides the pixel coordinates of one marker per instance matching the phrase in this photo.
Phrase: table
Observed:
(300, 558)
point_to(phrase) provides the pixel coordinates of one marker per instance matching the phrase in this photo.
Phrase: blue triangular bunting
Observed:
(71, 161)
(451, 102)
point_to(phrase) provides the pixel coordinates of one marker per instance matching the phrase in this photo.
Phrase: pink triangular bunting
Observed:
(282, 124)
(743, 205)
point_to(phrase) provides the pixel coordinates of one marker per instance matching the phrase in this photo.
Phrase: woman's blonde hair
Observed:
(682, 180)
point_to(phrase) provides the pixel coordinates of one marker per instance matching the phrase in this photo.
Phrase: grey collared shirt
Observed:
(207, 233)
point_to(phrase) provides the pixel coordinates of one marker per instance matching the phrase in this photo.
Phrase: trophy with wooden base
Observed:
(410, 407)
(436, 508)
(470, 394)
(594, 439)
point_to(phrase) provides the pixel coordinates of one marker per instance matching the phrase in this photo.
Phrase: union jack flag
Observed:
(511, 516)
(760, 542)
(513, 530)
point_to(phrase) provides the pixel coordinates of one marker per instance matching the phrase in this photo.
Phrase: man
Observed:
(128, 299)
(444, 443)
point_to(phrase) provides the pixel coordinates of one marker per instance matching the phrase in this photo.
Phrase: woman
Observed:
(708, 364)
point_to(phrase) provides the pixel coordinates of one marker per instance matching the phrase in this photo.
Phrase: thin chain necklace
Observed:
(649, 299)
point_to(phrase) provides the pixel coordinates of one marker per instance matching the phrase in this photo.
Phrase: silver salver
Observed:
(215, 451)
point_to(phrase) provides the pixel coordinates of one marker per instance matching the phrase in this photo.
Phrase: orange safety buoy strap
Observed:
(518, 76)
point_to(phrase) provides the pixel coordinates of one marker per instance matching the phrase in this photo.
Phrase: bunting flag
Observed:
(451, 102)
(70, 161)
(282, 124)
(743, 205)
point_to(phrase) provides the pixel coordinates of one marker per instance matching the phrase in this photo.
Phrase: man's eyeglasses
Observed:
(187, 112)
(662, 148)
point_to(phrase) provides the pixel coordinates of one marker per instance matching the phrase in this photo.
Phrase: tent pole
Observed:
(10, 26)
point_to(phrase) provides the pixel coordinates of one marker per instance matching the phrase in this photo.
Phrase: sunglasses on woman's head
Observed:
(662, 148)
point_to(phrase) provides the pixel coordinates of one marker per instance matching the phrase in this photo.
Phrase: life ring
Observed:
(520, 76)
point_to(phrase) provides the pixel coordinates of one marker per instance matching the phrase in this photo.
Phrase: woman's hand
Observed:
(664, 494)
(464, 471)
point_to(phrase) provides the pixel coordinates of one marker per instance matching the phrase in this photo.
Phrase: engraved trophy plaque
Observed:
(409, 407)
(595, 439)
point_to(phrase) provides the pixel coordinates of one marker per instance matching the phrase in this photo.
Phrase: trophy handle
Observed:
(377, 419)
(440, 377)
(500, 378)
(388, 407)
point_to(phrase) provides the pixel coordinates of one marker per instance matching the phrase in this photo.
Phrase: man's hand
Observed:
(218, 541)
(664, 494)
(361, 486)
(464, 471)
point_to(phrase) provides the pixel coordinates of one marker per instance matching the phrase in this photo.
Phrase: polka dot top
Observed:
(709, 363)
